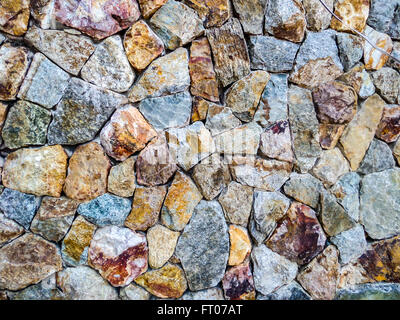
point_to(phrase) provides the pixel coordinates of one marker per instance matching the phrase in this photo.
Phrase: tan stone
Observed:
(14, 16)
(361, 130)
(329, 135)
(240, 247)
(9, 229)
(213, 12)
(331, 166)
(162, 243)
(374, 59)
(352, 274)
(121, 179)
(146, 207)
(199, 109)
(354, 13)
(38, 171)
(87, 172)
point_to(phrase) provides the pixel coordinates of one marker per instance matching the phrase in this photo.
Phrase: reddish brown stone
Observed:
(335, 103)
(329, 135)
(238, 283)
(155, 165)
(389, 127)
(99, 19)
(299, 237)
(201, 69)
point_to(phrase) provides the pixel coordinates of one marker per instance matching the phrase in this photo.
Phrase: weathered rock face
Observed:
(168, 111)
(105, 210)
(39, 171)
(350, 49)
(108, 67)
(360, 80)
(387, 83)
(134, 292)
(378, 209)
(54, 217)
(291, 291)
(244, 95)
(14, 16)
(213, 12)
(271, 270)
(240, 245)
(176, 24)
(203, 247)
(42, 11)
(251, 15)
(318, 18)
(75, 246)
(319, 277)
(329, 135)
(68, 51)
(200, 108)
(359, 133)
(142, 45)
(82, 111)
(84, 283)
(203, 79)
(299, 237)
(167, 75)
(370, 291)
(238, 283)
(350, 243)
(354, 13)
(167, 282)
(146, 207)
(346, 191)
(162, 243)
(119, 254)
(220, 119)
(9, 229)
(100, 19)
(121, 179)
(285, 19)
(384, 17)
(26, 124)
(148, 7)
(281, 53)
(87, 173)
(27, 260)
(276, 142)
(230, 65)
(378, 158)
(331, 166)
(183, 196)
(14, 63)
(374, 59)
(211, 176)
(389, 127)
(44, 83)
(126, 133)
(236, 200)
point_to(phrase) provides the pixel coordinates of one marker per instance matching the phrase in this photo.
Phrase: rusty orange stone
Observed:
(14, 16)
(240, 245)
(199, 109)
(353, 12)
(148, 7)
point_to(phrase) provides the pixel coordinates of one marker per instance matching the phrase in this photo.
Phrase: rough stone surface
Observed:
(318, 18)
(168, 74)
(350, 49)
(360, 80)
(329, 135)
(203, 247)
(26, 124)
(220, 119)
(199, 109)
(82, 112)
(396, 151)
(167, 282)
(350, 243)
(14, 63)
(299, 237)
(240, 245)
(14, 16)
(271, 54)
(371, 291)
(207, 294)
(176, 24)
(213, 12)
(146, 207)
(162, 243)
(354, 13)
(119, 254)
(87, 173)
(346, 191)
(276, 142)
(231, 59)
(389, 126)
(38, 171)
(374, 59)
(106, 210)
(126, 133)
(121, 179)
(44, 290)
(379, 209)
(44, 83)
(271, 270)
(251, 14)
(27, 260)
(142, 45)
(9, 229)
(148, 7)
(108, 67)
(384, 17)
(378, 158)
(168, 111)
(134, 292)
(100, 19)
(42, 11)
(291, 291)
(75, 246)
(387, 83)
(331, 166)
(320, 276)
(359, 133)
(69, 51)
(238, 283)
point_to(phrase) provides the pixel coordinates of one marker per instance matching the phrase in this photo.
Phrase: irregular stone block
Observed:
(240, 245)
(14, 16)
(374, 59)
(291, 291)
(389, 127)
(378, 158)
(360, 80)
(213, 12)
(384, 16)
(9, 229)
(387, 83)
(370, 291)
(276, 142)
(350, 49)
(331, 166)
(134, 292)
(251, 14)
(318, 18)
(42, 11)
(329, 135)
(238, 283)
(148, 7)
(121, 179)
(220, 119)
(354, 13)
(346, 191)
(199, 109)
(351, 243)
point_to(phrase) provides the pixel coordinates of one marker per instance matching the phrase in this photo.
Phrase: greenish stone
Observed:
(26, 124)
(371, 291)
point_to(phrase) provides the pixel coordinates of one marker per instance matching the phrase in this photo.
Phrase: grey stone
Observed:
(351, 243)
(44, 290)
(384, 16)
(395, 53)
(318, 18)
(387, 83)
(291, 291)
(203, 247)
(208, 294)
(167, 111)
(271, 270)
(106, 210)
(44, 83)
(2, 38)
(251, 14)
(52, 229)
(350, 49)
(19, 206)
(347, 190)
(273, 103)
(9, 230)
(220, 119)
(367, 87)
(82, 112)
(257, 236)
(134, 292)
(378, 158)
(370, 291)
(271, 54)
(380, 203)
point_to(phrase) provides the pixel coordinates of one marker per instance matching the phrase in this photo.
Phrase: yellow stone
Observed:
(121, 180)
(353, 12)
(240, 245)
(14, 16)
